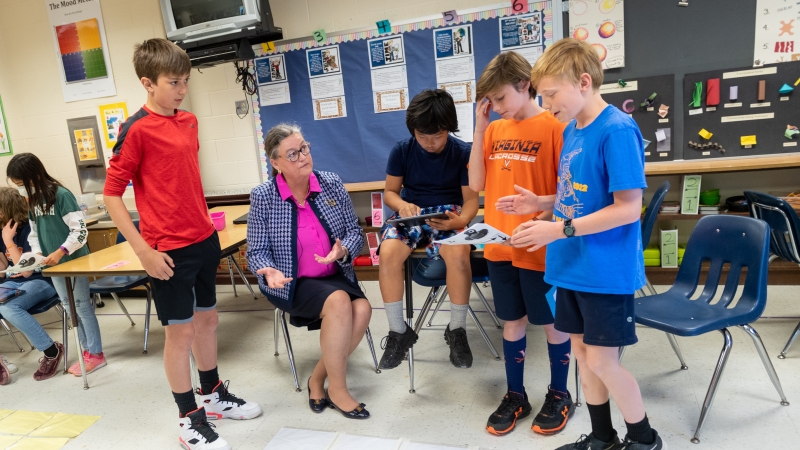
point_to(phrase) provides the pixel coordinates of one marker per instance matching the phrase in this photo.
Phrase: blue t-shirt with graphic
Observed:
(604, 157)
(431, 179)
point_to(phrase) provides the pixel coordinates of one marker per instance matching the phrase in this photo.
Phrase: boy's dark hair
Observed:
(41, 187)
(432, 111)
(12, 206)
(158, 56)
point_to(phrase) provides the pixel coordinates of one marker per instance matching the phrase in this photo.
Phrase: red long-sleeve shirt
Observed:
(160, 154)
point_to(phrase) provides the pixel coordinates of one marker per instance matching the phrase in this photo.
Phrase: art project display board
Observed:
(365, 80)
(658, 130)
(746, 114)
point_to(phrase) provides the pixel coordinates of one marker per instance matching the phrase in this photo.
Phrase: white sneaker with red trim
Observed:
(198, 434)
(221, 404)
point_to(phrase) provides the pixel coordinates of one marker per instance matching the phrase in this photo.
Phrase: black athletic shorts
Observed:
(519, 292)
(604, 320)
(193, 287)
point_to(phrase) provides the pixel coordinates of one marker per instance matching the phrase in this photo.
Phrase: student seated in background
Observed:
(427, 173)
(37, 288)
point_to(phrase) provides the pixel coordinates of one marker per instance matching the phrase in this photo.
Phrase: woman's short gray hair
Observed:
(275, 136)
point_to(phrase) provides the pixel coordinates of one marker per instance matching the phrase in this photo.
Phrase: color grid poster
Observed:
(81, 50)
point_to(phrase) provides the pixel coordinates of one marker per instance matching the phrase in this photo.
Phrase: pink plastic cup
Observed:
(218, 219)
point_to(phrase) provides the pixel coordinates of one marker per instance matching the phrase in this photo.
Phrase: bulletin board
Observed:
(629, 98)
(357, 146)
(746, 115)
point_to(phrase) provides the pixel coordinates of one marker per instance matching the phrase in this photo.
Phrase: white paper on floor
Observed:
(296, 439)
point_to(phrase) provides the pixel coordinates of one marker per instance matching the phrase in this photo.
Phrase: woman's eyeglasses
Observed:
(294, 155)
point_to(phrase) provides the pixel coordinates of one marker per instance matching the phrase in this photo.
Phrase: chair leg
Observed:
(275, 329)
(122, 307)
(28, 341)
(486, 305)
(577, 385)
(426, 307)
(241, 275)
(483, 333)
(372, 350)
(10, 333)
(762, 352)
(789, 342)
(712, 388)
(621, 352)
(64, 336)
(193, 370)
(650, 287)
(674, 343)
(147, 316)
(289, 351)
(230, 269)
(439, 303)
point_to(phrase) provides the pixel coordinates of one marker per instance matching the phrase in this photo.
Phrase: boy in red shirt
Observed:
(178, 247)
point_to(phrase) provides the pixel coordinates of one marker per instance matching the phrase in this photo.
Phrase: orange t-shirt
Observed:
(524, 153)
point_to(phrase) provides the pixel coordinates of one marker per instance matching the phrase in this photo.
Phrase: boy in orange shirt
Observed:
(521, 149)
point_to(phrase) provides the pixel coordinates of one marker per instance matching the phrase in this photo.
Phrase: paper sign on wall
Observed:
(690, 201)
(669, 248)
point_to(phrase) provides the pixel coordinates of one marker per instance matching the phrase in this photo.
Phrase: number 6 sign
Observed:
(520, 6)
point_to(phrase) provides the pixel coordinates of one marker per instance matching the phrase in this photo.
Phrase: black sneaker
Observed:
(198, 434)
(460, 354)
(395, 346)
(555, 412)
(592, 443)
(658, 444)
(514, 406)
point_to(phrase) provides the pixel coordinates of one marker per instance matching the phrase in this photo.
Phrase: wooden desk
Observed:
(97, 264)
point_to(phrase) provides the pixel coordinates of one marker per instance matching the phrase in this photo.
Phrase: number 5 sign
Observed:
(520, 6)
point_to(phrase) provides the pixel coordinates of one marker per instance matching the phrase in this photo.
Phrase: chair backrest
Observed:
(121, 238)
(651, 213)
(783, 223)
(741, 242)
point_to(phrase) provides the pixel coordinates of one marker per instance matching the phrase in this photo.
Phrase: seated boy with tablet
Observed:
(427, 174)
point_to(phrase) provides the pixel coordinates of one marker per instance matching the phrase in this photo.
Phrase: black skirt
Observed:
(310, 295)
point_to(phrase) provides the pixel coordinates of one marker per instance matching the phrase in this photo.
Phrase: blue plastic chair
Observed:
(741, 243)
(113, 285)
(433, 274)
(784, 235)
(649, 221)
(39, 308)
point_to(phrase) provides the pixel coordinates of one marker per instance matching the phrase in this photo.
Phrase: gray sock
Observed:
(394, 312)
(458, 316)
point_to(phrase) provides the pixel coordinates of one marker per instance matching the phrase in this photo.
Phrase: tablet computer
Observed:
(415, 221)
(7, 294)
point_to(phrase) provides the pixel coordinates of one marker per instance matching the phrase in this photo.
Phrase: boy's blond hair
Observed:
(568, 59)
(505, 68)
(155, 57)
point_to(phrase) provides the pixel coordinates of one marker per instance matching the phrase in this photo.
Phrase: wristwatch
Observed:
(569, 230)
(346, 255)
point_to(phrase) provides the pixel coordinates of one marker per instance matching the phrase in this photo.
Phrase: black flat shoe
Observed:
(359, 413)
(317, 405)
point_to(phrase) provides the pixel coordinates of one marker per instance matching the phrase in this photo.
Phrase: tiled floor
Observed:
(450, 406)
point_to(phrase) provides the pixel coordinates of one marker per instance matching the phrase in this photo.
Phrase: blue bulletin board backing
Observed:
(357, 146)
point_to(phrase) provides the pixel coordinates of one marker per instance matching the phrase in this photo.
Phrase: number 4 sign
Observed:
(520, 6)
(690, 201)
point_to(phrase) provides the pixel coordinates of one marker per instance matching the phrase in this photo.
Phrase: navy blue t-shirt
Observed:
(431, 179)
(21, 240)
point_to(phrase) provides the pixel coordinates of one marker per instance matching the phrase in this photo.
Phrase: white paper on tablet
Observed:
(480, 233)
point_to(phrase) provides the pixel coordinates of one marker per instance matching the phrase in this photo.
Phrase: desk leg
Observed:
(74, 315)
(410, 319)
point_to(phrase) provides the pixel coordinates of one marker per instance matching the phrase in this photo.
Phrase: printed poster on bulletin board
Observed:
(602, 24)
(81, 49)
(327, 84)
(113, 116)
(777, 32)
(523, 34)
(5, 141)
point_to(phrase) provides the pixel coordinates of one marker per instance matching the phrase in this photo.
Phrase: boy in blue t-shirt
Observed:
(426, 174)
(594, 253)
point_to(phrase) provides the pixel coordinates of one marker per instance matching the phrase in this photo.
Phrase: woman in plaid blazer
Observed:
(301, 232)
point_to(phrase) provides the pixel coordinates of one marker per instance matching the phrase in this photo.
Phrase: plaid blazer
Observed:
(272, 231)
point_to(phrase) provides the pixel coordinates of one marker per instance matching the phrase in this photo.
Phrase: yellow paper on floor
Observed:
(23, 422)
(30, 443)
(5, 412)
(7, 441)
(65, 425)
